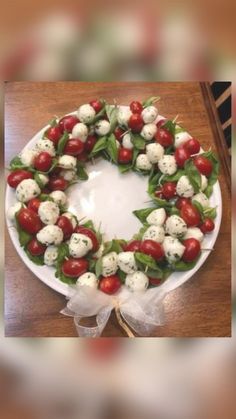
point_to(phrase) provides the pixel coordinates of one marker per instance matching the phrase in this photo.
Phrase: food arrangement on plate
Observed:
(180, 179)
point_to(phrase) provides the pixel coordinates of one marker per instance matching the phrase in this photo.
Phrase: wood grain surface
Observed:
(199, 308)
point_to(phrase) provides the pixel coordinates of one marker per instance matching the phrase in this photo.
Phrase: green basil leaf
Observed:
(38, 180)
(98, 267)
(184, 266)
(63, 278)
(45, 197)
(54, 164)
(150, 101)
(179, 129)
(161, 203)
(210, 212)
(112, 246)
(81, 172)
(208, 191)
(193, 175)
(153, 182)
(125, 167)
(139, 235)
(98, 115)
(156, 273)
(16, 163)
(63, 252)
(170, 126)
(216, 167)
(135, 155)
(24, 237)
(121, 275)
(62, 142)
(138, 141)
(53, 122)
(89, 224)
(100, 145)
(92, 264)
(112, 149)
(173, 211)
(144, 260)
(199, 208)
(175, 177)
(38, 260)
(112, 112)
(142, 214)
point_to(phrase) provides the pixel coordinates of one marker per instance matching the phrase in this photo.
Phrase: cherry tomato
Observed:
(65, 224)
(110, 284)
(29, 221)
(136, 107)
(159, 194)
(89, 143)
(160, 123)
(192, 250)
(136, 122)
(207, 226)
(68, 122)
(33, 204)
(15, 177)
(169, 190)
(97, 105)
(133, 246)
(181, 156)
(125, 155)
(43, 161)
(181, 202)
(190, 215)
(89, 233)
(192, 145)
(36, 248)
(154, 281)
(74, 267)
(204, 165)
(74, 147)
(152, 248)
(82, 156)
(118, 133)
(54, 134)
(57, 184)
(164, 137)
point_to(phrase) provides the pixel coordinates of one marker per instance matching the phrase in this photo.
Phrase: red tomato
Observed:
(110, 284)
(160, 123)
(29, 221)
(43, 161)
(54, 134)
(136, 107)
(89, 143)
(164, 137)
(192, 145)
(82, 156)
(89, 233)
(36, 248)
(68, 122)
(152, 248)
(74, 267)
(136, 122)
(118, 133)
(181, 156)
(181, 202)
(169, 190)
(192, 250)
(190, 215)
(15, 177)
(133, 246)
(57, 184)
(97, 105)
(207, 226)
(125, 155)
(33, 204)
(204, 165)
(74, 147)
(65, 224)
(154, 281)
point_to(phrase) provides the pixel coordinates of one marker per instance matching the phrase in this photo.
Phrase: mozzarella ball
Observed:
(27, 189)
(89, 279)
(70, 217)
(148, 131)
(79, 245)
(99, 253)
(126, 142)
(68, 175)
(194, 233)
(11, 213)
(181, 138)
(204, 182)
(202, 199)
(59, 197)
(50, 255)
(126, 262)
(86, 113)
(27, 157)
(109, 264)
(173, 249)
(157, 217)
(167, 165)
(123, 115)
(184, 188)
(102, 127)
(50, 234)
(44, 179)
(48, 212)
(137, 281)
(143, 163)
(67, 162)
(80, 131)
(155, 152)
(175, 226)
(45, 145)
(156, 233)
(149, 114)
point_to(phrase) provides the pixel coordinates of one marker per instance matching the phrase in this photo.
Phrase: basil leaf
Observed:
(199, 208)
(135, 155)
(45, 197)
(100, 145)
(156, 273)
(16, 163)
(38, 180)
(162, 203)
(112, 149)
(89, 224)
(139, 235)
(92, 264)
(208, 191)
(179, 129)
(144, 260)
(184, 266)
(54, 164)
(62, 142)
(63, 278)
(173, 211)
(170, 126)
(38, 260)
(121, 275)
(210, 212)
(175, 177)
(53, 122)
(193, 175)
(112, 246)
(124, 167)
(153, 183)
(150, 101)
(215, 172)
(24, 237)
(98, 115)
(138, 141)
(63, 252)
(98, 267)
(81, 172)
(112, 112)
(142, 214)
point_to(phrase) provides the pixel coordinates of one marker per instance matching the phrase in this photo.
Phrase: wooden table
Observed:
(200, 307)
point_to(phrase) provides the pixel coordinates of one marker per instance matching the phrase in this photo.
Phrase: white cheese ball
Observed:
(50, 234)
(45, 145)
(99, 252)
(44, 179)
(86, 113)
(175, 226)
(184, 188)
(137, 281)
(50, 255)
(181, 138)
(89, 279)
(148, 131)
(194, 233)
(126, 141)
(143, 163)
(13, 210)
(155, 152)
(155, 233)
(80, 131)
(67, 162)
(48, 212)
(27, 157)
(70, 217)
(167, 165)
(109, 264)
(149, 114)
(173, 249)
(126, 262)
(59, 197)
(68, 175)
(102, 127)
(204, 182)
(202, 199)
(157, 217)
(79, 245)
(27, 189)
(123, 115)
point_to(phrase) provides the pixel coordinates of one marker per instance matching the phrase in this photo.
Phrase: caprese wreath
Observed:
(180, 181)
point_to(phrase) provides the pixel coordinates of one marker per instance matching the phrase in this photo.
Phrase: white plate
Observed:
(110, 197)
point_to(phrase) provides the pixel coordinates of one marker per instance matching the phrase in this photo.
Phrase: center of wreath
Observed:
(109, 197)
